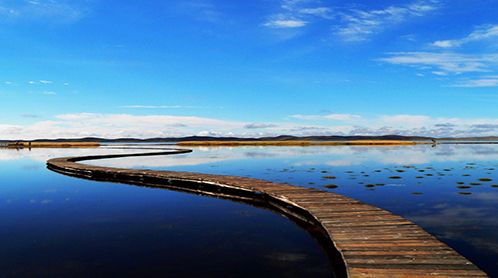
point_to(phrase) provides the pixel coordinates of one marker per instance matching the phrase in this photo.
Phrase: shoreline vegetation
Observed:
(29, 145)
(299, 143)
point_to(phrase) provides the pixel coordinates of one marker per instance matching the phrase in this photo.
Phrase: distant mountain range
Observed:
(276, 138)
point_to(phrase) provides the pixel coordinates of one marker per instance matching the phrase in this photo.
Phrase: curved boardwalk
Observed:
(371, 242)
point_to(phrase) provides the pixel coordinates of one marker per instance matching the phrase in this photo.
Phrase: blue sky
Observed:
(247, 68)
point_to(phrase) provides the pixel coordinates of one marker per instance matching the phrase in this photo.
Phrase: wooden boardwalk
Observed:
(370, 241)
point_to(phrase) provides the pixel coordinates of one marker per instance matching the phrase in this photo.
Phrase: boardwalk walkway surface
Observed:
(371, 242)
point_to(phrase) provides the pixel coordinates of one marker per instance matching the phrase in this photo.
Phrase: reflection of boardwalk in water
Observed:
(372, 242)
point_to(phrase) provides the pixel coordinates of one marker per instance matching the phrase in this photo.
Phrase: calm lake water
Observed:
(450, 190)
(58, 226)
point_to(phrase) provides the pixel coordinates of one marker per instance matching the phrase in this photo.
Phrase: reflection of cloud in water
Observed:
(287, 257)
(46, 154)
(485, 196)
(338, 163)
(41, 202)
(156, 161)
(207, 155)
(327, 155)
(259, 154)
(324, 155)
(348, 156)
(475, 226)
(483, 150)
(6, 155)
(445, 152)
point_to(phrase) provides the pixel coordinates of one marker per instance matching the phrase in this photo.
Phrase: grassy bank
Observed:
(298, 143)
(22, 145)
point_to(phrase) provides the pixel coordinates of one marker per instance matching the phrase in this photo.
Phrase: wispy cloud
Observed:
(468, 68)
(480, 82)
(166, 107)
(202, 10)
(155, 106)
(44, 82)
(349, 24)
(258, 126)
(285, 23)
(30, 116)
(413, 121)
(472, 67)
(359, 25)
(297, 14)
(318, 11)
(328, 117)
(58, 11)
(480, 33)
(445, 63)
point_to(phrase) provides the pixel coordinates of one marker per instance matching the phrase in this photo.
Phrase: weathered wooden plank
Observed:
(352, 218)
(412, 266)
(430, 252)
(397, 260)
(388, 249)
(414, 273)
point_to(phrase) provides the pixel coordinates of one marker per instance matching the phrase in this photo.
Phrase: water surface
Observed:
(450, 190)
(58, 226)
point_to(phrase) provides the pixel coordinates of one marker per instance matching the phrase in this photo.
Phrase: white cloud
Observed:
(444, 44)
(359, 25)
(329, 117)
(440, 73)
(444, 63)
(318, 11)
(49, 93)
(475, 69)
(126, 125)
(77, 116)
(258, 125)
(355, 24)
(156, 106)
(293, 4)
(43, 82)
(420, 125)
(413, 121)
(167, 107)
(480, 33)
(485, 81)
(297, 14)
(117, 125)
(285, 23)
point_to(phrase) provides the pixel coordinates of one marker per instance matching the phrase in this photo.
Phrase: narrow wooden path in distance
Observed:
(371, 241)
